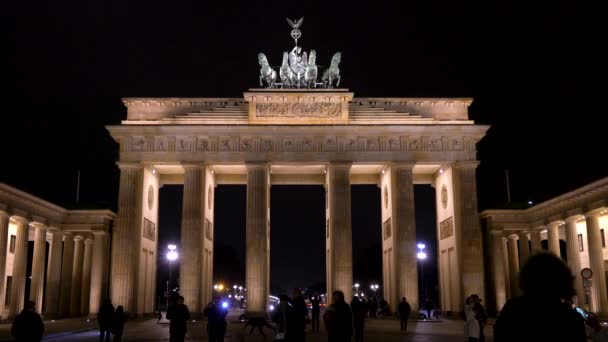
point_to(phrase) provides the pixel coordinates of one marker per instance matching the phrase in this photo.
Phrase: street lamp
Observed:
(421, 255)
(171, 257)
(356, 289)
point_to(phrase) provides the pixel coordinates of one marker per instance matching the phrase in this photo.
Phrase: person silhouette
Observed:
(105, 317)
(28, 326)
(315, 302)
(543, 312)
(179, 315)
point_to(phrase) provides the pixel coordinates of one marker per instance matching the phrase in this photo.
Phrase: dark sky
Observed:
(537, 73)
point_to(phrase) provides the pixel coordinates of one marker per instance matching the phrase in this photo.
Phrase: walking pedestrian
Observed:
(338, 319)
(118, 323)
(300, 313)
(373, 307)
(471, 324)
(359, 310)
(315, 302)
(179, 315)
(480, 315)
(216, 322)
(28, 326)
(542, 313)
(281, 318)
(404, 310)
(104, 319)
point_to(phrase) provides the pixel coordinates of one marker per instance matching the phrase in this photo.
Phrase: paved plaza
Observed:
(151, 330)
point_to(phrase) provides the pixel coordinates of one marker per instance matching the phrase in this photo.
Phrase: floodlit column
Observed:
(596, 261)
(67, 264)
(257, 237)
(77, 276)
(467, 223)
(513, 265)
(504, 246)
(192, 230)
(524, 248)
(37, 284)
(340, 229)
(404, 223)
(98, 271)
(125, 237)
(3, 249)
(536, 245)
(574, 257)
(553, 238)
(19, 269)
(500, 286)
(53, 274)
(86, 276)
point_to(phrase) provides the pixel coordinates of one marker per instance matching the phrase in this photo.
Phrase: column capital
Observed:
(555, 223)
(78, 238)
(523, 232)
(595, 212)
(192, 166)
(574, 219)
(496, 232)
(402, 165)
(88, 241)
(129, 165)
(99, 232)
(470, 164)
(513, 236)
(38, 225)
(20, 220)
(3, 213)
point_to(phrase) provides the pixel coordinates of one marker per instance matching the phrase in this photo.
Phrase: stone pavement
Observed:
(150, 330)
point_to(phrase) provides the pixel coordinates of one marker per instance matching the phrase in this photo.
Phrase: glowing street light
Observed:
(172, 255)
(421, 255)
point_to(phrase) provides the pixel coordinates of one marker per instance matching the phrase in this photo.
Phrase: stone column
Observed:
(67, 264)
(524, 248)
(513, 265)
(19, 269)
(340, 228)
(98, 271)
(596, 261)
(192, 230)
(404, 230)
(37, 284)
(500, 286)
(536, 239)
(469, 236)
(76, 294)
(125, 237)
(505, 257)
(553, 238)
(574, 257)
(257, 247)
(86, 277)
(3, 250)
(53, 275)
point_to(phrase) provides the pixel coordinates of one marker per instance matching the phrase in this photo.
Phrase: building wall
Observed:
(148, 247)
(388, 243)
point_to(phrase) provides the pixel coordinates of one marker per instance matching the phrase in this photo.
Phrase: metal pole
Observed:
(508, 187)
(78, 188)
(167, 306)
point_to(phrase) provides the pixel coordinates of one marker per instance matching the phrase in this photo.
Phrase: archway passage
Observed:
(297, 243)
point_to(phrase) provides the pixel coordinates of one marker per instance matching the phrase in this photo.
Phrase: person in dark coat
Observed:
(338, 319)
(373, 307)
(542, 313)
(118, 323)
(300, 313)
(404, 310)
(359, 309)
(28, 326)
(315, 302)
(216, 322)
(281, 317)
(179, 315)
(480, 315)
(104, 319)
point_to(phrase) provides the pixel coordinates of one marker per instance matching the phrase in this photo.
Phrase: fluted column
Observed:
(77, 276)
(469, 240)
(553, 238)
(67, 264)
(498, 275)
(86, 277)
(19, 269)
(3, 249)
(504, 246)
(53, 275)
(404, 230)
(37, 284)
(536, 239)
(125, 237)
(340, 228)
(98, 271)
(192, 230)
(524, 248)
(513, 265)
(574, 257)
(257, 237)
(596, 261)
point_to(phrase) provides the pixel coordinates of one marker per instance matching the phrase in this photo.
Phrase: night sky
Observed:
(536, 72)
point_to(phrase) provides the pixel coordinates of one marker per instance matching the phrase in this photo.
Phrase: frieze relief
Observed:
(299, 110)
(249, 144)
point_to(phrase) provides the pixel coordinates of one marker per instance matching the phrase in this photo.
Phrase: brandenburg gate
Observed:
(297, 136)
